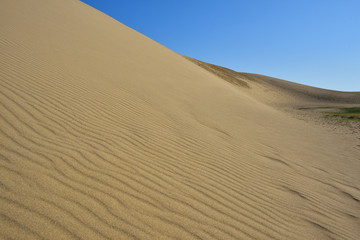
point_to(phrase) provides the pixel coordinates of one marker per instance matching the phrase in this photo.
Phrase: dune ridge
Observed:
(106, 134)
(282, 93)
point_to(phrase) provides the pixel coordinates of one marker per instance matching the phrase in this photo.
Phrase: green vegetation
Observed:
(346, 114)
(355, 110)
(337, 113)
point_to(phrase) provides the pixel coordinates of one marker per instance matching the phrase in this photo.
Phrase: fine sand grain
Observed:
(106, 134)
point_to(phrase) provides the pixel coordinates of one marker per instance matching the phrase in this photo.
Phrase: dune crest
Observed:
(106, 134)
(281, 93)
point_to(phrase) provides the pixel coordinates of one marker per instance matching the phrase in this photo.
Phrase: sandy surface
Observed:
(106, 134)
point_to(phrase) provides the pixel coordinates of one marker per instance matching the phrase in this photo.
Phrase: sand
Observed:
(106, 134)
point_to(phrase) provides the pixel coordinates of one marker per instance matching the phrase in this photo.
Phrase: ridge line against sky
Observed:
(309, 42)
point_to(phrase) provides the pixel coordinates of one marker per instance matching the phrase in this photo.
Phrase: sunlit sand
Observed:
(106, 134)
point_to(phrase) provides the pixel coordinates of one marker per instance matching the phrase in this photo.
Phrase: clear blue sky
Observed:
(314, 42)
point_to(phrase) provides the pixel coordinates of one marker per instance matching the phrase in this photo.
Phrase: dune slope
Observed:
(106, 134)
(281, 93)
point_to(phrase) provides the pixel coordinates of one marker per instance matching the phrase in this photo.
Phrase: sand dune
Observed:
(106, 134)
(281, 93)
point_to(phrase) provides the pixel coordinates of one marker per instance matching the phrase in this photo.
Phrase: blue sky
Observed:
(314, 42)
